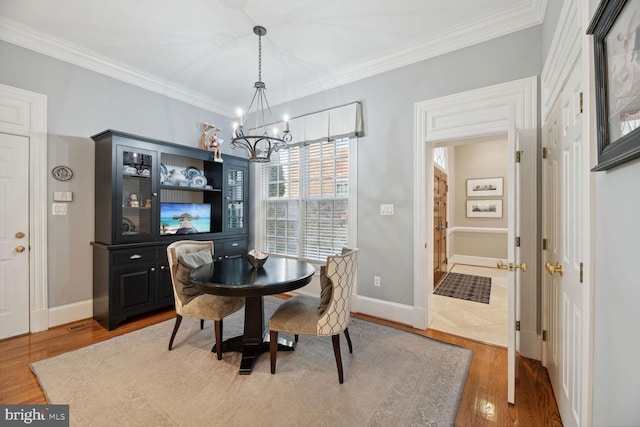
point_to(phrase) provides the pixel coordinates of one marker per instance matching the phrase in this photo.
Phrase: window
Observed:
(440, 157)
(305, 192)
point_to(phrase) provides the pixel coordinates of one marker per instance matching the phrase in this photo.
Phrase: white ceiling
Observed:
(205, 52)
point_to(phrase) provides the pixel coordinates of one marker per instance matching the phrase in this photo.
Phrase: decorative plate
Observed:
(198, 181)
(127, 225)
(62, 173)
(191, 172)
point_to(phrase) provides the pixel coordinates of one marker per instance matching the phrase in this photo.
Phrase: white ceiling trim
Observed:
(38, 41)
(482, 30)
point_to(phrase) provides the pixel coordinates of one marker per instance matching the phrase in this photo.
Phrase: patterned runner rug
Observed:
(465, 286)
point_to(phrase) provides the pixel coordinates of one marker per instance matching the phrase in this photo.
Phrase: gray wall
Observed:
(82, 103)
(616, 382)
(385, 154)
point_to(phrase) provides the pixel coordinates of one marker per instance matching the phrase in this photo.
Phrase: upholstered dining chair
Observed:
(325, 316)
(183, 256)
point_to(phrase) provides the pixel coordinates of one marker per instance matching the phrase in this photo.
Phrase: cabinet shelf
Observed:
(185, 188)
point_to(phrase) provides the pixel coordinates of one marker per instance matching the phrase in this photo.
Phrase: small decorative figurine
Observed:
(209, 141)
(133, 200)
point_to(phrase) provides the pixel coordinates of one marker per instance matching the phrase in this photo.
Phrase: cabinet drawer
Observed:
(134, 256)
(235, 246)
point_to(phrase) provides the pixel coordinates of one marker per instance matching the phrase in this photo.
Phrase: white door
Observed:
(14, 235)
(513, 223)
(565, 207)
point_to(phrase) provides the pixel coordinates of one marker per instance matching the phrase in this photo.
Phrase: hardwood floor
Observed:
(484, 401)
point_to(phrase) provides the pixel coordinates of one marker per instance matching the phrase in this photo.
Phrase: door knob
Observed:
(551, 269)
(19, 235)
(504, 266)
(19, 249)
(522, 266)
(511, 266)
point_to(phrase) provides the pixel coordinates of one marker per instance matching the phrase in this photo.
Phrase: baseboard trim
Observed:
(39, 320)
(70, 313)
(473, 260)
(392, 311)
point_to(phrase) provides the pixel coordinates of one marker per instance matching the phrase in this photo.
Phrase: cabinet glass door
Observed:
(137, 193)
(236, 198)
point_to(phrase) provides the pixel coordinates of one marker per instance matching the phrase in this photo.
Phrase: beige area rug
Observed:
(393, 378)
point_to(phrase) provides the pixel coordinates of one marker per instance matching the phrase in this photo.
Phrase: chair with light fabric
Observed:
(325, 316)
(189, 302)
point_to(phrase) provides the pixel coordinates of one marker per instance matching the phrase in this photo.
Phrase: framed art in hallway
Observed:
(616, 36)
(482, 187)
(484, 208)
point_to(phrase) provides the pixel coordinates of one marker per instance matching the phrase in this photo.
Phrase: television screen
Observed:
(185, 218)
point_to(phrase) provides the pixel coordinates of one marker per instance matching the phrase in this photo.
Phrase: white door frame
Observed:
(24, 113)
(486, 111)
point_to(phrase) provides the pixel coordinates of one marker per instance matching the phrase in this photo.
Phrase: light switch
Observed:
(62, 196)
(386, 209)
(59, 208)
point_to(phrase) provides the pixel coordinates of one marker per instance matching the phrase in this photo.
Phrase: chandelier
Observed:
(258, 141)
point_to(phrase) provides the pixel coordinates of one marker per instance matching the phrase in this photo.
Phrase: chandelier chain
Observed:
(259, 58)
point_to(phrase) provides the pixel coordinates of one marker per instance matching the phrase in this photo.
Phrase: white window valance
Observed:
(338, 122)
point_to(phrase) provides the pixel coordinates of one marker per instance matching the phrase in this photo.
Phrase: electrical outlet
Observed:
(376, 281)
(386, 209)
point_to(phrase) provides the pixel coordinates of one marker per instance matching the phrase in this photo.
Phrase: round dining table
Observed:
(236, 277)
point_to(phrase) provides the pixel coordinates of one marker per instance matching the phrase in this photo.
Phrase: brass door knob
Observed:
(19, 249)
(522, 266)
(552, 269)
(504, 266)
(19, 235)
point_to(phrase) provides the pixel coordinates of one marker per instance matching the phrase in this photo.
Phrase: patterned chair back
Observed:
(341, 269)
(174, 251)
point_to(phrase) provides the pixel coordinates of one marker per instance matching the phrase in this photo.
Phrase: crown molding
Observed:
(498, 25)
(46, 44)
(481, 30)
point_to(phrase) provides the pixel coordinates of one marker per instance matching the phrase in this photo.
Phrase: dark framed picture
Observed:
(616, 35)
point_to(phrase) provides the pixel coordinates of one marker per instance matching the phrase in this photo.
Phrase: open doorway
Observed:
(470, 296)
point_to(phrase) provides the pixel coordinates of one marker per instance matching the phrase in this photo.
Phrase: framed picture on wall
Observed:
(482, 187)
(484, 208)
(616, 29)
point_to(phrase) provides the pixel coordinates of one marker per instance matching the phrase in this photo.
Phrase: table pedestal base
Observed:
(251, 350)
(255, 339)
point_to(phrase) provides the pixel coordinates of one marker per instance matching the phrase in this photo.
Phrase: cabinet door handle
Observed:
(155, 194)
(162, 267)
(153, 269)
(135, 256)
(235, 244)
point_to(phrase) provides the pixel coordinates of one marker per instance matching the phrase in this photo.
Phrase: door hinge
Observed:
(544, 244)
(518, 156)
(545, 152)
(581, 102)
(517, 325)
(517, 242)
(544, 335)
(581, 272)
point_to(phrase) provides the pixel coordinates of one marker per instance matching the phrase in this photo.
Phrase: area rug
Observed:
(465, 286)
(393, 378)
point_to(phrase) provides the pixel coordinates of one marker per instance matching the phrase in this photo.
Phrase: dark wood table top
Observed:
(236, 277)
